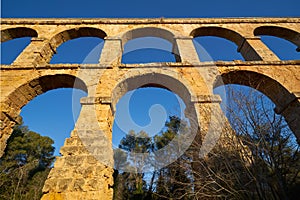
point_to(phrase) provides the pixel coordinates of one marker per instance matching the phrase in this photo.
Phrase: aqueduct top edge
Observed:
(147, 20)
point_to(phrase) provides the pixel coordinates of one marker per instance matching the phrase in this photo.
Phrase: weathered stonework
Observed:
(78, 174)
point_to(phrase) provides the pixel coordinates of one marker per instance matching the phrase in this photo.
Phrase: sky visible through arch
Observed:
(51, 114)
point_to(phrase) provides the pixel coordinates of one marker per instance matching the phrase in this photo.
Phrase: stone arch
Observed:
(285, 101)
(13, 33)
(70, 34)
(147, 32)
(218, 32)
(74, 33)
(228, 34)
(11, 107)
(178, 85)
(26, 92)
(160, 79)
(150, 32)
(281, 32)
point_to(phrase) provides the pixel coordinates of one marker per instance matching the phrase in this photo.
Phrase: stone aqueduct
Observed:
(79, 175)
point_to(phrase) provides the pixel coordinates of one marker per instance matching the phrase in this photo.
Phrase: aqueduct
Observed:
(78, 173)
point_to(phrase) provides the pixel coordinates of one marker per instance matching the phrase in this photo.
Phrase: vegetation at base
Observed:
(261, 161)
(25, 165)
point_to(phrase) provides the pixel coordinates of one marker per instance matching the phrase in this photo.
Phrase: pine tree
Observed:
(25, 164)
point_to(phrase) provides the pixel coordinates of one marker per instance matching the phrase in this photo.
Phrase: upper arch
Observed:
(280, 32)
(285, 101)
(147, 32)
(32, 88)
(152, 79)
(268, 86)
(218, 32)
(12, 104)
(12, 33)
(233, 36)
(70, 34)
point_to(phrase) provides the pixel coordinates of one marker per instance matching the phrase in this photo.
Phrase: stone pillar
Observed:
(7, 124)
(208, 131)
(210, 122)
(85, 169)
(214, 135)
(36, 53)
(252, 48)
(184, 49)
(112, 51)
(10, 110)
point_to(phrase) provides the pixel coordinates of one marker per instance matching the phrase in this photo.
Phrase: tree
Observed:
(258, 160)
(275, 156)
(25, 164)
(169, 182)
(130, 183)
(174, 181)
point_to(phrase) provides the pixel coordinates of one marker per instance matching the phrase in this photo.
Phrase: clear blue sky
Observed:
(146, 8)
(55, 119)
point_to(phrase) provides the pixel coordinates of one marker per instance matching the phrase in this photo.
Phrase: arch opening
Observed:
(155, 121)
(85, 50)
(154, 93)
(54, 114)
(271, 143)
(28, 91)
(284, 42)
(147, 50)
(152, 79)
(279, 95)
(149, 108)
(217, 49)
(14, 41)
(11, 49)
(147, 122)
(149, 43)
(75, 33)
(284, 49)
(229, 35)
(280, 32)
(147, 32)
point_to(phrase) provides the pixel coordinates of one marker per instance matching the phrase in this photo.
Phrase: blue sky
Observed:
(147, 8)
(52, 113)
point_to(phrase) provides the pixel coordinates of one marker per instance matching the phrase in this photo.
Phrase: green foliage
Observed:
(137, 143)
(169, 182)
(25, 164)
(131, 185)
(174, 180)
